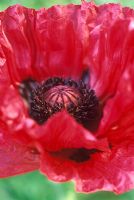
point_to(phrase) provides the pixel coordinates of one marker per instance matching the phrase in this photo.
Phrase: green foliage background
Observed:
(48, 3)
(34, 186)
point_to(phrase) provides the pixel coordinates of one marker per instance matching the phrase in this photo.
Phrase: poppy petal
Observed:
(15, 156)
(53, 44)
(109, 171)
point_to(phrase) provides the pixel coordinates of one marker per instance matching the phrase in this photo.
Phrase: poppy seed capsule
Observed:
(63, 95)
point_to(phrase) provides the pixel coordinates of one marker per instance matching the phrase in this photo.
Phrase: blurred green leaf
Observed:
(33, 186)
(106, 196)
(46, 3)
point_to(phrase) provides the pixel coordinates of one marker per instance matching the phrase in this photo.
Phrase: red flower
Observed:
(67, 94)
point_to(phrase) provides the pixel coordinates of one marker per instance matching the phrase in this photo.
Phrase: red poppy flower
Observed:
(67, 94)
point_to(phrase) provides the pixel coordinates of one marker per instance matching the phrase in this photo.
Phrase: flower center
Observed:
(55, 94)
(63, 95)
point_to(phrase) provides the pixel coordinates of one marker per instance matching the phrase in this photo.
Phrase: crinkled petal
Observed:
(118, 112)
(61, 131)
(57, 140)
(56, 169)
(13, 111)
(128, 12)
(52, 45)
(107, 57)
(15, 155)
(109, 171)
